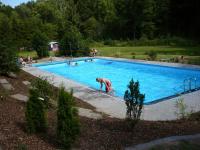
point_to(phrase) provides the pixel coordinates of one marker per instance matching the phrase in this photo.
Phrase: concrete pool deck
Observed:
(114, 106)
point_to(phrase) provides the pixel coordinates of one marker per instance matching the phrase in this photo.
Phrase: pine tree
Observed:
(134, 101)
(35, 113)
(67, 119)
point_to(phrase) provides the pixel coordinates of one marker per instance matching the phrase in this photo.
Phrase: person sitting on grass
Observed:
(22, 62)
(106, 82)
(29, 60)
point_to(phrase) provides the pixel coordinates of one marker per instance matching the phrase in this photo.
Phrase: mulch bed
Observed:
(104, 134)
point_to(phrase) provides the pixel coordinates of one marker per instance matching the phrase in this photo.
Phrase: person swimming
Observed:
(106, 82)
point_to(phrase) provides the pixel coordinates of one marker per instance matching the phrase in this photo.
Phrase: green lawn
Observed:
(32, 54)
(164, 52)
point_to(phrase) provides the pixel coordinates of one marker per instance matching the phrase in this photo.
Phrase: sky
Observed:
(13, 3)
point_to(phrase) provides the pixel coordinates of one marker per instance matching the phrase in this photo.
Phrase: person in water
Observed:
(106, 82)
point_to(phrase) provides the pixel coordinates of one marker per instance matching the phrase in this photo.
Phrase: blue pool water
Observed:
(156, 82)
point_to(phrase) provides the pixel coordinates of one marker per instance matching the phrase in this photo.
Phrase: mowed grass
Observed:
(140, 51)
(32, 54)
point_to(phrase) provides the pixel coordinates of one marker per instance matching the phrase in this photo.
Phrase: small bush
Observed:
(152, 55)
(67, 119)
(45, 89)
(181, 112)
(35, 113)
(110, 42)
(134, 101)
(22, 147)
(117, 54)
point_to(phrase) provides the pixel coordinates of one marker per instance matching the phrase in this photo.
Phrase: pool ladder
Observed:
(190, 84)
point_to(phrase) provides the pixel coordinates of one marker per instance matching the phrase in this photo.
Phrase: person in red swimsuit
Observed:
(106, 82)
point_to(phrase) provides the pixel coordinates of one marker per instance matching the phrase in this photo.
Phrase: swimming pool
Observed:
(156, 82)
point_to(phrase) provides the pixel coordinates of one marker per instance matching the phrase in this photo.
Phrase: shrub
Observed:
(8, 60)
(67, 119)
(134, 101)
(181, 109)
(117, 54)
(22, 147)
(152, 55)
(133, 55)
(45, 89)
(35, 113)
(110, 42)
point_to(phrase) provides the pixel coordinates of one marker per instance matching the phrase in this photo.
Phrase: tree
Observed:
(8, 59)
(134, 101)
(148, 15)
(67, 119)
(35, 113)
(73, 42)
(40, 44)
(8, 55)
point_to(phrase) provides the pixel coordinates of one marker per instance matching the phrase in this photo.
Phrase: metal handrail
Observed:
(189, 82)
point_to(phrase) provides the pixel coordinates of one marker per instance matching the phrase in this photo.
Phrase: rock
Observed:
(20, 97)
(8, 86)
(26, 83)
(3, 81)
(89, 113)
(13, 75)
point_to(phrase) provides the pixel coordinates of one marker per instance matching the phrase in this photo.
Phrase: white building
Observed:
(53, 46)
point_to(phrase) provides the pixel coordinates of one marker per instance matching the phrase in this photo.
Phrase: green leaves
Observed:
(40, 44)
(8, 59)
(67, 119)
(35, 113)
(134, 101)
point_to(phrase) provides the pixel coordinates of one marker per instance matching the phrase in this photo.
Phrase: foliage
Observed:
(8, 60)
(45, 89)
(181, 109)
(152, 55)
(134, 101)
(21, 147)
(100, 20)
(72, 42)
(35, 113)
(67, 119)
(39, 43)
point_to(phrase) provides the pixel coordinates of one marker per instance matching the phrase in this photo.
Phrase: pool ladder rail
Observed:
(189, 84)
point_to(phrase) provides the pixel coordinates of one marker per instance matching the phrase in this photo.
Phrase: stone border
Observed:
(153, 143)
(114, 106)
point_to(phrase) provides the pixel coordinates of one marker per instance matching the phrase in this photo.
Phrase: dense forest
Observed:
(96, 20)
